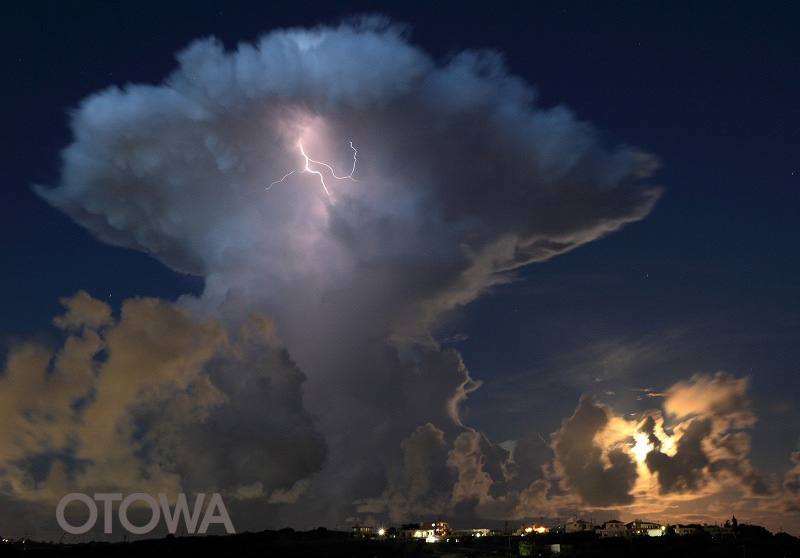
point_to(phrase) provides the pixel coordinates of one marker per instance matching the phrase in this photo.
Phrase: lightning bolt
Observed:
(308, 169)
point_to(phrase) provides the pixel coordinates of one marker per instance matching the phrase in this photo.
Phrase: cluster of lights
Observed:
(535, 529)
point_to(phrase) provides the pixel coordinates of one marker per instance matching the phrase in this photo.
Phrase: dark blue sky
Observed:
(708, 281)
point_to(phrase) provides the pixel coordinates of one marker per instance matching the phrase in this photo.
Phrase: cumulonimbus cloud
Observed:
(459, 178)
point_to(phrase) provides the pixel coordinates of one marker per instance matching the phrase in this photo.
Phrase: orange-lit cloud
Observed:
(126, 404)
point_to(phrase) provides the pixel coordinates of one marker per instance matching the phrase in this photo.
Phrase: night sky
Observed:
(561, 277)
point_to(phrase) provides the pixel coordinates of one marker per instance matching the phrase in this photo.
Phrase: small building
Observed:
(614, 528)
(430, 531)
(717, 531)
(639, 527)
(575, 525)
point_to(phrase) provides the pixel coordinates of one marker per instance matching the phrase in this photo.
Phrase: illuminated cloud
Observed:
(601, 476)
(720, 396)
(698, 460)
(460, 180)
(460, 176)
(709, 442)
(684, 470)
(154, 401)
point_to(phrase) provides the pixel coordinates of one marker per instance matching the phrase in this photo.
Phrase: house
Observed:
(638, 527)
(614, 528)
(575, 525)
(717, 531)
(430, 531)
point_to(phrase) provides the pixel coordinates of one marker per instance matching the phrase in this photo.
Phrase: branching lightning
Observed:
(308, 169)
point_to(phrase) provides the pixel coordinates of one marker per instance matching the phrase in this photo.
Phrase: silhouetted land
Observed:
(752, 542)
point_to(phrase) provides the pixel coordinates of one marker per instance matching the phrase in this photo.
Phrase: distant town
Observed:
(576, 537)
(441, 531)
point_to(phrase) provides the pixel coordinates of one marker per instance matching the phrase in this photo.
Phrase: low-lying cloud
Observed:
(153, 401)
